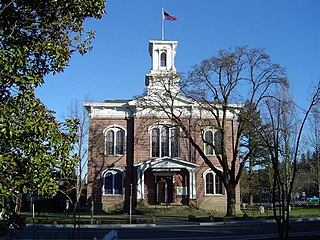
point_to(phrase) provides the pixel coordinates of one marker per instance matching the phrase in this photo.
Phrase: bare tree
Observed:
(75, 186)
(282, 139)
(314, 142)
(214, 94)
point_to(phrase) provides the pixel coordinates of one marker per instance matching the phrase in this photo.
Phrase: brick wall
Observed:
(138, 150)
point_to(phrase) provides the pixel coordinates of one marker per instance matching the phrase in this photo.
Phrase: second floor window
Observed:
(114, 141)
(212, 138)
(164, 142)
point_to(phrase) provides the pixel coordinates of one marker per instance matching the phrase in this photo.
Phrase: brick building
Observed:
(135, 152)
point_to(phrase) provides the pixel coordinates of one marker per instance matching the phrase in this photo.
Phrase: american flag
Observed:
(167, 16)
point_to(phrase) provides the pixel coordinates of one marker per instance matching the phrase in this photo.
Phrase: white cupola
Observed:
(163, 72)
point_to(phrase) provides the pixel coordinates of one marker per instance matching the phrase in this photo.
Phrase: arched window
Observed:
(209, 183)
(164, 141)
(114, 141)
(113, 182)
(212, 138)
(110, 142)
(108, 183)
(163, 60)
(119, 142)
(213, 184)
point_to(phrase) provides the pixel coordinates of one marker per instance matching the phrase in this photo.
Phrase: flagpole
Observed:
(162, 26)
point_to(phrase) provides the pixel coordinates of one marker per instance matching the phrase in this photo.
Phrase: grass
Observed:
(296, 211)
(251, 212)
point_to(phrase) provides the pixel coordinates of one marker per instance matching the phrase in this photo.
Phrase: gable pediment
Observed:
(166, 163)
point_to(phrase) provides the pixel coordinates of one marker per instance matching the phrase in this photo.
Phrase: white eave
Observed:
(111, 109)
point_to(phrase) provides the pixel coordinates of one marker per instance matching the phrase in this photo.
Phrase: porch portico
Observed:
(166, 180)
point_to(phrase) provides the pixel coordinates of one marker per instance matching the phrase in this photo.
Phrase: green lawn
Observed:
(296, 211)
(251, 212)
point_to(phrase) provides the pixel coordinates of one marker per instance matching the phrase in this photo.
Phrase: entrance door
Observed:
(164, 189)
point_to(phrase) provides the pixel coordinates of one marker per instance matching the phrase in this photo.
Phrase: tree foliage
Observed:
(37, 38)
(34, 148)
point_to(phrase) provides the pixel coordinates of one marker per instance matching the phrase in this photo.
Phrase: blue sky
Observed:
(289, 31)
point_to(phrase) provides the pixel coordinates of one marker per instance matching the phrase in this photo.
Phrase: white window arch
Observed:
(164, 141)
(112, 182)
(213, 185)
(212, 141)
(114, 137)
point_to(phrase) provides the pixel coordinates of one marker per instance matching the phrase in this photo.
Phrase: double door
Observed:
(164, 188)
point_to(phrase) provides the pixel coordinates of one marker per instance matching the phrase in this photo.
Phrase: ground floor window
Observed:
(113, 182)
(213, 184)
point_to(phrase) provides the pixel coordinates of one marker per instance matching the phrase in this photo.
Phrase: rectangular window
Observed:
(175, 142)
(155, 143)
(208, 138)
(118, 183)
(217, 142)
(165, 142)
(219, 185)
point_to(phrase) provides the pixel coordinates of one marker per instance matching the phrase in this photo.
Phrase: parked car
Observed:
(302, 198)
(314, 198)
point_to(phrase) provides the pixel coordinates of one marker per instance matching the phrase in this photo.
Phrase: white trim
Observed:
(204, 175)
(113, 171)
(213, 130)
(160, 126)
(166, 163)
(115, 128)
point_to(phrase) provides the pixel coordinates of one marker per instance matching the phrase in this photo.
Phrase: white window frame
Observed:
(213, 131)
(165, 67)
(161, 127)
(209, 171)
(115, 129)
(113, 172)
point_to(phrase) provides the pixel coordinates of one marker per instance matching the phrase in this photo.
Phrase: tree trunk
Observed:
(231, 201)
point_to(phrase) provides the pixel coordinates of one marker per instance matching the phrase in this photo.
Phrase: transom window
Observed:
(164, 141)
(113, 182)
(212, 139)
(213, 184)
(114, 141)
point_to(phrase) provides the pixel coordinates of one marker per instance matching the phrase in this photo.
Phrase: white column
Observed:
(192, 184)
(140, 181)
